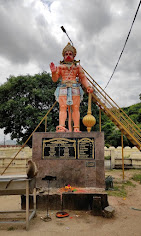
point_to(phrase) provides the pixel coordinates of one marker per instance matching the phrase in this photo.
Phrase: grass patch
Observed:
(108, 158)
(10, 228)
(119, 190)
(137, 178)
(128, 156)
(129, 183)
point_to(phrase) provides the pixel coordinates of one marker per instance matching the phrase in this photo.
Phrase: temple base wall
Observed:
(78, 171)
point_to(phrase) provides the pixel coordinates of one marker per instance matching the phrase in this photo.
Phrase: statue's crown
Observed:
(69, 47)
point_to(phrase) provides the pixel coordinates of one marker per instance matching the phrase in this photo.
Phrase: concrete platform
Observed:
(80, 199)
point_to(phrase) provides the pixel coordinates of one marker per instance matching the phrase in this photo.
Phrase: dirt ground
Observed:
(127, 221)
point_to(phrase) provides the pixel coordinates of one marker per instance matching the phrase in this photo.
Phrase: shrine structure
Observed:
(74, 157)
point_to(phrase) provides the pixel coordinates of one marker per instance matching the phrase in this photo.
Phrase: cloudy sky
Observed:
(31, 38)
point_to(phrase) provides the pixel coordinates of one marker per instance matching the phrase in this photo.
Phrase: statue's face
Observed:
(68, 56)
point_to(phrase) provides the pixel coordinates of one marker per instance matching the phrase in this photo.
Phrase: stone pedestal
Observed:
(94, 202)
(76, 159)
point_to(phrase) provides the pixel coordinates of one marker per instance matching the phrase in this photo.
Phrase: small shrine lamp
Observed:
(89, 120)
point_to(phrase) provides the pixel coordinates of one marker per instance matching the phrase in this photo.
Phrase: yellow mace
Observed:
(89, 120)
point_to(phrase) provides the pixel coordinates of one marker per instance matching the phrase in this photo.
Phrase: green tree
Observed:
(134, 112)
(24, 102)
(112, 134)
(26, 99)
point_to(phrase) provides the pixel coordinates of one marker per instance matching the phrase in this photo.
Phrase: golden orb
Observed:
(89, 121)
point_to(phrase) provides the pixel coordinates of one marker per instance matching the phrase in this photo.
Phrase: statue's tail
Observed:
(69, 119)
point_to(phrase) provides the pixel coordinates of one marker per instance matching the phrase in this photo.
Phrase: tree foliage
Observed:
(112, 134)
(26, 99)
(24, 102)
(134, 112)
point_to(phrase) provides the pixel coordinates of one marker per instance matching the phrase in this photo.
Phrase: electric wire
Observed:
(124, 44)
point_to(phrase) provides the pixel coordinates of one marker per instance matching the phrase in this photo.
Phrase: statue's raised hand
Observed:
(53, 67)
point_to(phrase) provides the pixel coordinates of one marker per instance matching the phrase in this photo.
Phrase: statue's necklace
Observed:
(68, 65)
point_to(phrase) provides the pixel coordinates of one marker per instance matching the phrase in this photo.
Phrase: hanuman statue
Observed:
(69, 93)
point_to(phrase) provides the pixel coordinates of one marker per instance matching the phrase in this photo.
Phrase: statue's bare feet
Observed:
(60, 128)
(77, 130)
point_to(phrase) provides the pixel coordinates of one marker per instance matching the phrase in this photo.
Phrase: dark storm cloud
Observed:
(31, 36)
(24, 36)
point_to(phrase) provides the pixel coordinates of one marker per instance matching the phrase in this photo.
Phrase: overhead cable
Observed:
(124, 44)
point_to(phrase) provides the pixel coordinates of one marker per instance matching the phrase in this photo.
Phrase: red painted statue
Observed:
(69, 92)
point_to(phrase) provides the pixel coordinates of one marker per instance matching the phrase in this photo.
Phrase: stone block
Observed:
(97, 206)
(43, 200)
(108, 212)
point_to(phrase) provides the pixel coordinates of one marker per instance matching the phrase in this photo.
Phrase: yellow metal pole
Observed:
(122, 155)
(46, 124)
(118, 108)
(100, 120)
(89, 109)
(89, 103)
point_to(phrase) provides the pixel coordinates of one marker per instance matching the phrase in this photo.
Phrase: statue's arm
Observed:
(55, 72)
(83, 80)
